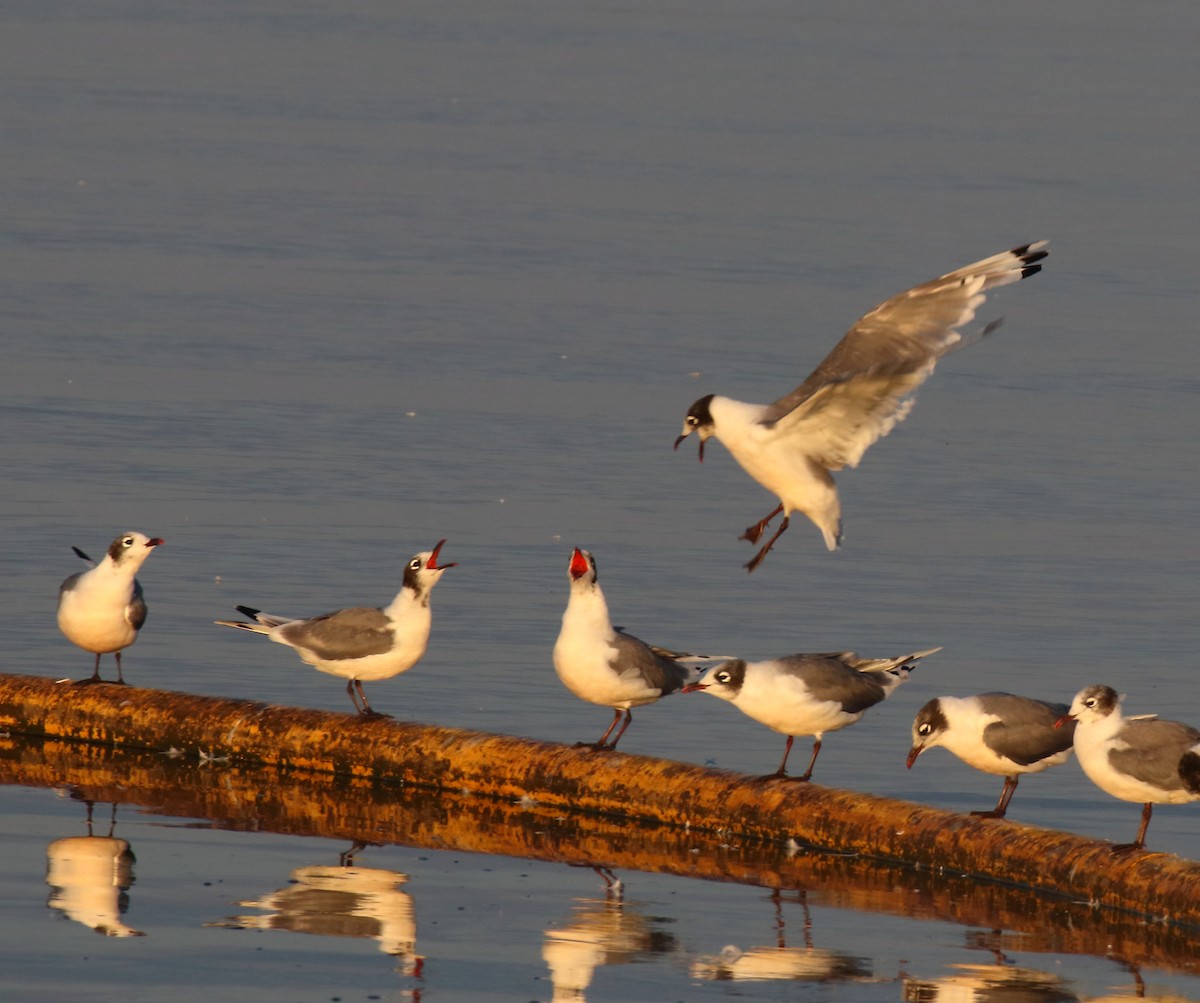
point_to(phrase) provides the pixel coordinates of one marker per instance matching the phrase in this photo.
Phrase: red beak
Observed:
(433, 564)
(915, 751)
(579, 564)
(1063, 720)
(694, 687)
(156, 541)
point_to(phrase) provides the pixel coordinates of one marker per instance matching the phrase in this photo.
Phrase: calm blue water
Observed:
(305, 288)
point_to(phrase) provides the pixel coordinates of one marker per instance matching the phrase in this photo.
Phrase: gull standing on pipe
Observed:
(807, 694)
(999, 733)
(602, 665)
(102, 610)
(1134, 758)
(855, 396)
(363, 642)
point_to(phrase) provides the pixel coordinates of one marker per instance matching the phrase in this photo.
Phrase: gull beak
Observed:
(1063, 720)
(156, 541)
(686, 433)
(579, 564)
(915, 751)
(694, 687)
(433, 564)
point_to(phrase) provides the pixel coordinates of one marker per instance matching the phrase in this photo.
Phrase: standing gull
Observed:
(602, 665)
(807, 694)
(855, 396)
(101, 610)
(363, 642)
(998, 733)
(1134, 758)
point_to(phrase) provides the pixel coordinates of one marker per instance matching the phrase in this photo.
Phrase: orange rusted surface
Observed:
(565, 779)
(267, 799)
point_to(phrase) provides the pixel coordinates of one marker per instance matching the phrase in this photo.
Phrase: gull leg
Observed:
(95, 676)
(757, 559)
(782, 771)
(603, 743)
(367, 709)
(120, 678)
(816, 752)
(1010, 787)
(628, 719)
(1140, 840)
(754, 532)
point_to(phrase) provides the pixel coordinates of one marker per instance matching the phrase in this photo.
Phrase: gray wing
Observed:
(1026, 734)
(864, 386)
(635, 656)
(135, 612)
(344, 633)
(69, 583)
(1154, 749)
(828, 678)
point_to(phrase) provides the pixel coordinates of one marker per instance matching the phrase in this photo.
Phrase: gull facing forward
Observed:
(602, 665)
(362, 642)
(1134, 758)
(102, 610)
(855, 396)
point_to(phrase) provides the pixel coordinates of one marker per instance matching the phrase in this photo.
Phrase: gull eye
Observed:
(925, 729)
(415, 564)
(1090, 702)
(127, 542)
(692, 420)
(722, 677)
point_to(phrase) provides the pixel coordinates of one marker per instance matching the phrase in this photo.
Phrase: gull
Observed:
(854, 397)
(1138, 758)
(999, 733)
(603, 665)
(363, 642)
(101, 610)
(807, 694)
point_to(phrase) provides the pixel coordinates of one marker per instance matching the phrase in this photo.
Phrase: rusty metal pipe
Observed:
(612, 784)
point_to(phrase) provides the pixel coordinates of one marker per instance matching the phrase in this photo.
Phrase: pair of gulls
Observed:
(854, 397)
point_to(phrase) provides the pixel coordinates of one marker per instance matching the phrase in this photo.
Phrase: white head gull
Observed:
(1134, 758)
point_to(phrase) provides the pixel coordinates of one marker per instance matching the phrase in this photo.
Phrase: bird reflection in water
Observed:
(807, 963)
(600, 932)
(988, 983)
(343, 901)
(90, 877)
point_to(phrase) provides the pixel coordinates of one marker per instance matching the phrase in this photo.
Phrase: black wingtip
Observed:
(247, 611)
(80, 553)
(1029, 255)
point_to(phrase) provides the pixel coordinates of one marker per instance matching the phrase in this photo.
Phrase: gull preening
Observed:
(998, 733)
(362, 642)
(807, 694)
(854, 397)
(602, 665)
(1138, 758)
(101, 610)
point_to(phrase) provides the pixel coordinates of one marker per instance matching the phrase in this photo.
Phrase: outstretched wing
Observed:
(865, 385)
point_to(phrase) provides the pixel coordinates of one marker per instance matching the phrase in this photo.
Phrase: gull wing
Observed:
(345, 633)
(865, 385)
